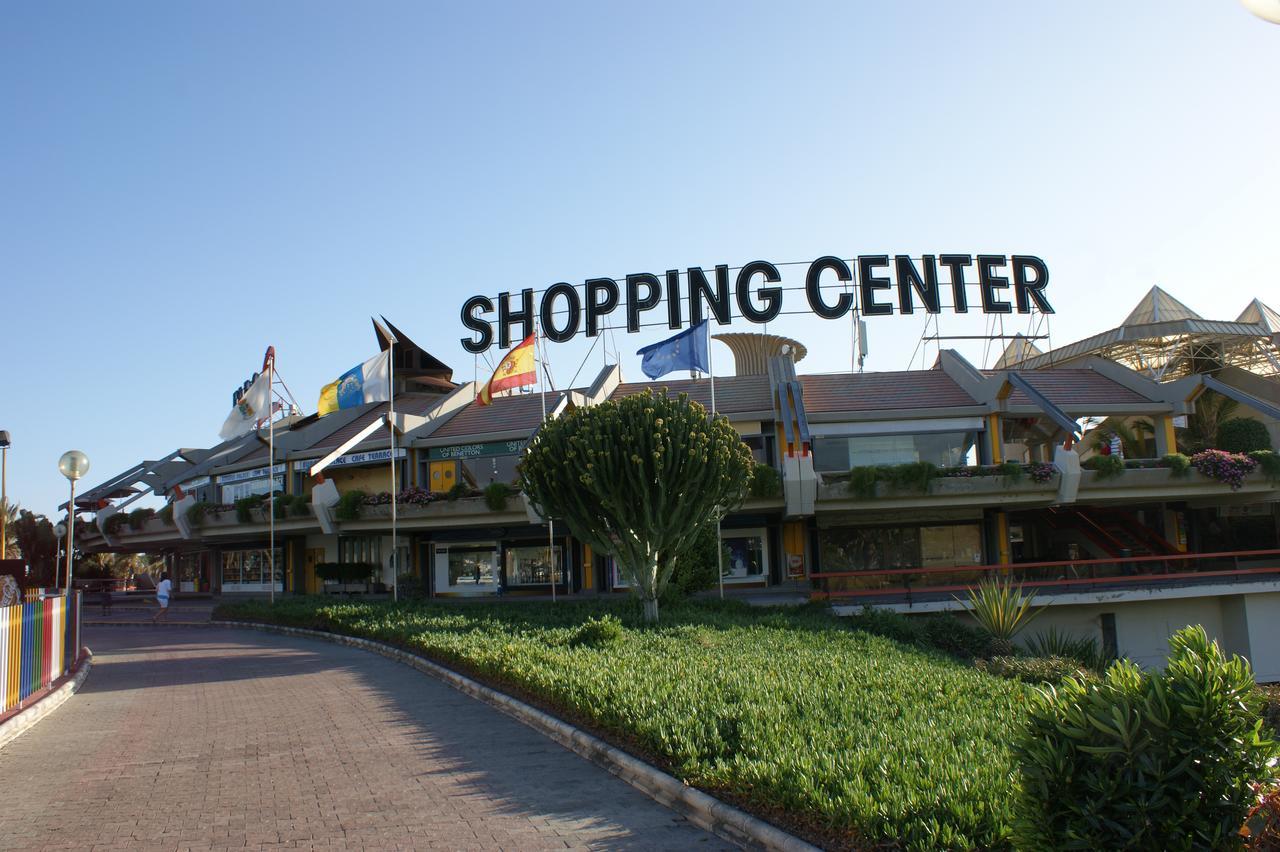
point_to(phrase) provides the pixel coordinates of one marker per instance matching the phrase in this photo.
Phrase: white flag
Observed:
(254, 405)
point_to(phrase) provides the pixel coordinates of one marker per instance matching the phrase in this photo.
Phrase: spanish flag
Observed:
(517, 369)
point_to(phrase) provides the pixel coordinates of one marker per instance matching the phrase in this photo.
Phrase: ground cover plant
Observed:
(852, 739)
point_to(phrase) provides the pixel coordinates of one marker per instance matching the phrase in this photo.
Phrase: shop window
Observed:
(838, 453)
(467, 568)
(481, 472)
(234, 491)
(360, 548)
(250, 570)
(745, 556)
(530, 566)
(189, 569)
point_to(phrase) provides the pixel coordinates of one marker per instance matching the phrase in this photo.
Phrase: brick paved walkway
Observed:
(208, 738)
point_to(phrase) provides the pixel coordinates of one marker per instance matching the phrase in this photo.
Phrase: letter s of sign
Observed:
(482, 327)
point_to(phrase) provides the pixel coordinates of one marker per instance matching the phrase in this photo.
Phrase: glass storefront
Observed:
(189, 571)
(746, 558)
(250, 570)
(839, 453)
(467, 568)
(884, 548)
(530, 566)
(233, 491)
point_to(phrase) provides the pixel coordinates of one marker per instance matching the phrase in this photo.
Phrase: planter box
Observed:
(1159, 482)
(945, 489)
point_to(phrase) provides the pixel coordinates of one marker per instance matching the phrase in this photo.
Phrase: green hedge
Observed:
(852, 739)
(1243, 435)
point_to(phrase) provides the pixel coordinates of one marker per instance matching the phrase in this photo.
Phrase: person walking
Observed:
(162, 598)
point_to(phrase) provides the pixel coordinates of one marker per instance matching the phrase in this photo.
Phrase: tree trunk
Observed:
(650, 610)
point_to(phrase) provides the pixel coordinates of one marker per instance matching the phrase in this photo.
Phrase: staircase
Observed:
(1115, 532)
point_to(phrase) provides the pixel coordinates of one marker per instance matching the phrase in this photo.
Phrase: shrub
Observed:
(246, 505)
(292, 505)
(197, 512)
(1243, 435)
(1035, 669)
(495, 496)
(115, 523)
(1011, 472)
(596, 632)
(1144, 760)
(942, 632)
(350, 505)
(166, 514)
(345, 572)
(1228, 468)
(696, 569)
(766, 483)
(1042, 472)
(1000, 609)
(1106, 467)
(138, 518)
(410, 586)
(457, 492)
(1082, 649)
(862, 482)
(1268, 462)
(1178, 464)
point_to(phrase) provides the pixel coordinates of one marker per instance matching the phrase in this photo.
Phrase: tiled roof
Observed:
(1072, 388)
(504, 414)
(882, 391)
(734, 394)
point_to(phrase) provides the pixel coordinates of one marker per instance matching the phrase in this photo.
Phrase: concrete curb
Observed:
(22, 721)
(702, 809)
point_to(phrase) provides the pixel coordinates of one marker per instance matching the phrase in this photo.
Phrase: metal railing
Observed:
(39, 643)
(1063, 575)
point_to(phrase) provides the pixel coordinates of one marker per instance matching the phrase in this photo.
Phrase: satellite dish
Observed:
(1267, 10)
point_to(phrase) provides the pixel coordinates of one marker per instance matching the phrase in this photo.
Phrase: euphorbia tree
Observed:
(637, 479)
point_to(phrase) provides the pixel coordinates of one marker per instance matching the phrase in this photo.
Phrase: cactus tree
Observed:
(636, 479)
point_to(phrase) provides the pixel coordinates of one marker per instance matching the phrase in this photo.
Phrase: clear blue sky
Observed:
(182, 184)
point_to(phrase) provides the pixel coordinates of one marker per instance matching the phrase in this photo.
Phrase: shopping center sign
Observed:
(875, 285)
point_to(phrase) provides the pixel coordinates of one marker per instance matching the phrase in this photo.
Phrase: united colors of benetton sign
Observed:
(883, 285)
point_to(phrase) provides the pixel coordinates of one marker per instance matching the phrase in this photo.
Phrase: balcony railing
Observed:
(910, 584)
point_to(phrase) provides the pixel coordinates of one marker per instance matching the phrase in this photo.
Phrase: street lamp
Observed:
(1267, 10)
(73, 464)
(4, 494)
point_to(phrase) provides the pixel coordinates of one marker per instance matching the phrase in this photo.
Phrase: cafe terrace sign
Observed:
(876, 284)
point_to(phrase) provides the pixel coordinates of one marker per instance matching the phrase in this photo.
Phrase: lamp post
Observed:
(73, 464)
(4, 494)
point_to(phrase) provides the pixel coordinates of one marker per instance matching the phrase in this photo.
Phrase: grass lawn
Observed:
(850, 739)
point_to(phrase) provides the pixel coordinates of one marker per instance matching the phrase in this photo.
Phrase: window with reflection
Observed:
(838, 453)
(467, 567)
(532, 566)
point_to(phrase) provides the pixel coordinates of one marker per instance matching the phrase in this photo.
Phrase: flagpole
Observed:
(551, 525)
(391, 395)
(271, 472)
(711, 370)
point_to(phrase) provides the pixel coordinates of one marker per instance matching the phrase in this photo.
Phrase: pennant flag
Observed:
(253, 405)
(367, 382)
(687, 350)
(517, 369)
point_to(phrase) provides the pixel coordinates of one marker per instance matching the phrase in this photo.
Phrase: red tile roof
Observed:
(1072, 388)
(908, 389)
(520, 412)
(734, 394)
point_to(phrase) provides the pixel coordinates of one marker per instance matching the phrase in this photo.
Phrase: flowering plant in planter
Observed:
(1228, 468)
(1041, 472)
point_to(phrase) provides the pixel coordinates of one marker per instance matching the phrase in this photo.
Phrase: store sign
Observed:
(245, 475)
(476, 451)
(882, 285)
(193, 484)
(371, 457)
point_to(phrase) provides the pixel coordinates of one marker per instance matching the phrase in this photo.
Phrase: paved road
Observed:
(205, 738)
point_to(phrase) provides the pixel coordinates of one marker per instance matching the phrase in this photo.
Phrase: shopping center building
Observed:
(1126, 551)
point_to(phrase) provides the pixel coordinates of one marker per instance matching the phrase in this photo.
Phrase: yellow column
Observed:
(996, 439)
(1002, 538)
(588, 567)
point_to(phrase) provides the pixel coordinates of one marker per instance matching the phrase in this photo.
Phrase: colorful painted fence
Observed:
(39, 642)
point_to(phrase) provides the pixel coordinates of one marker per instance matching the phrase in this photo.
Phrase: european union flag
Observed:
(684, 351)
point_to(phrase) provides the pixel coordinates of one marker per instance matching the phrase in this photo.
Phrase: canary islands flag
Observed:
(517, 369)
(367, 382)
(684, 351)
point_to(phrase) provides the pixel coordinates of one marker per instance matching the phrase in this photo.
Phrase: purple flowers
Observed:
(1228, 468)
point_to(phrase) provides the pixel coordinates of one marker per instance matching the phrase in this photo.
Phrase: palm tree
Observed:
(9, 547)
(1201, 431)
(1134, 435)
